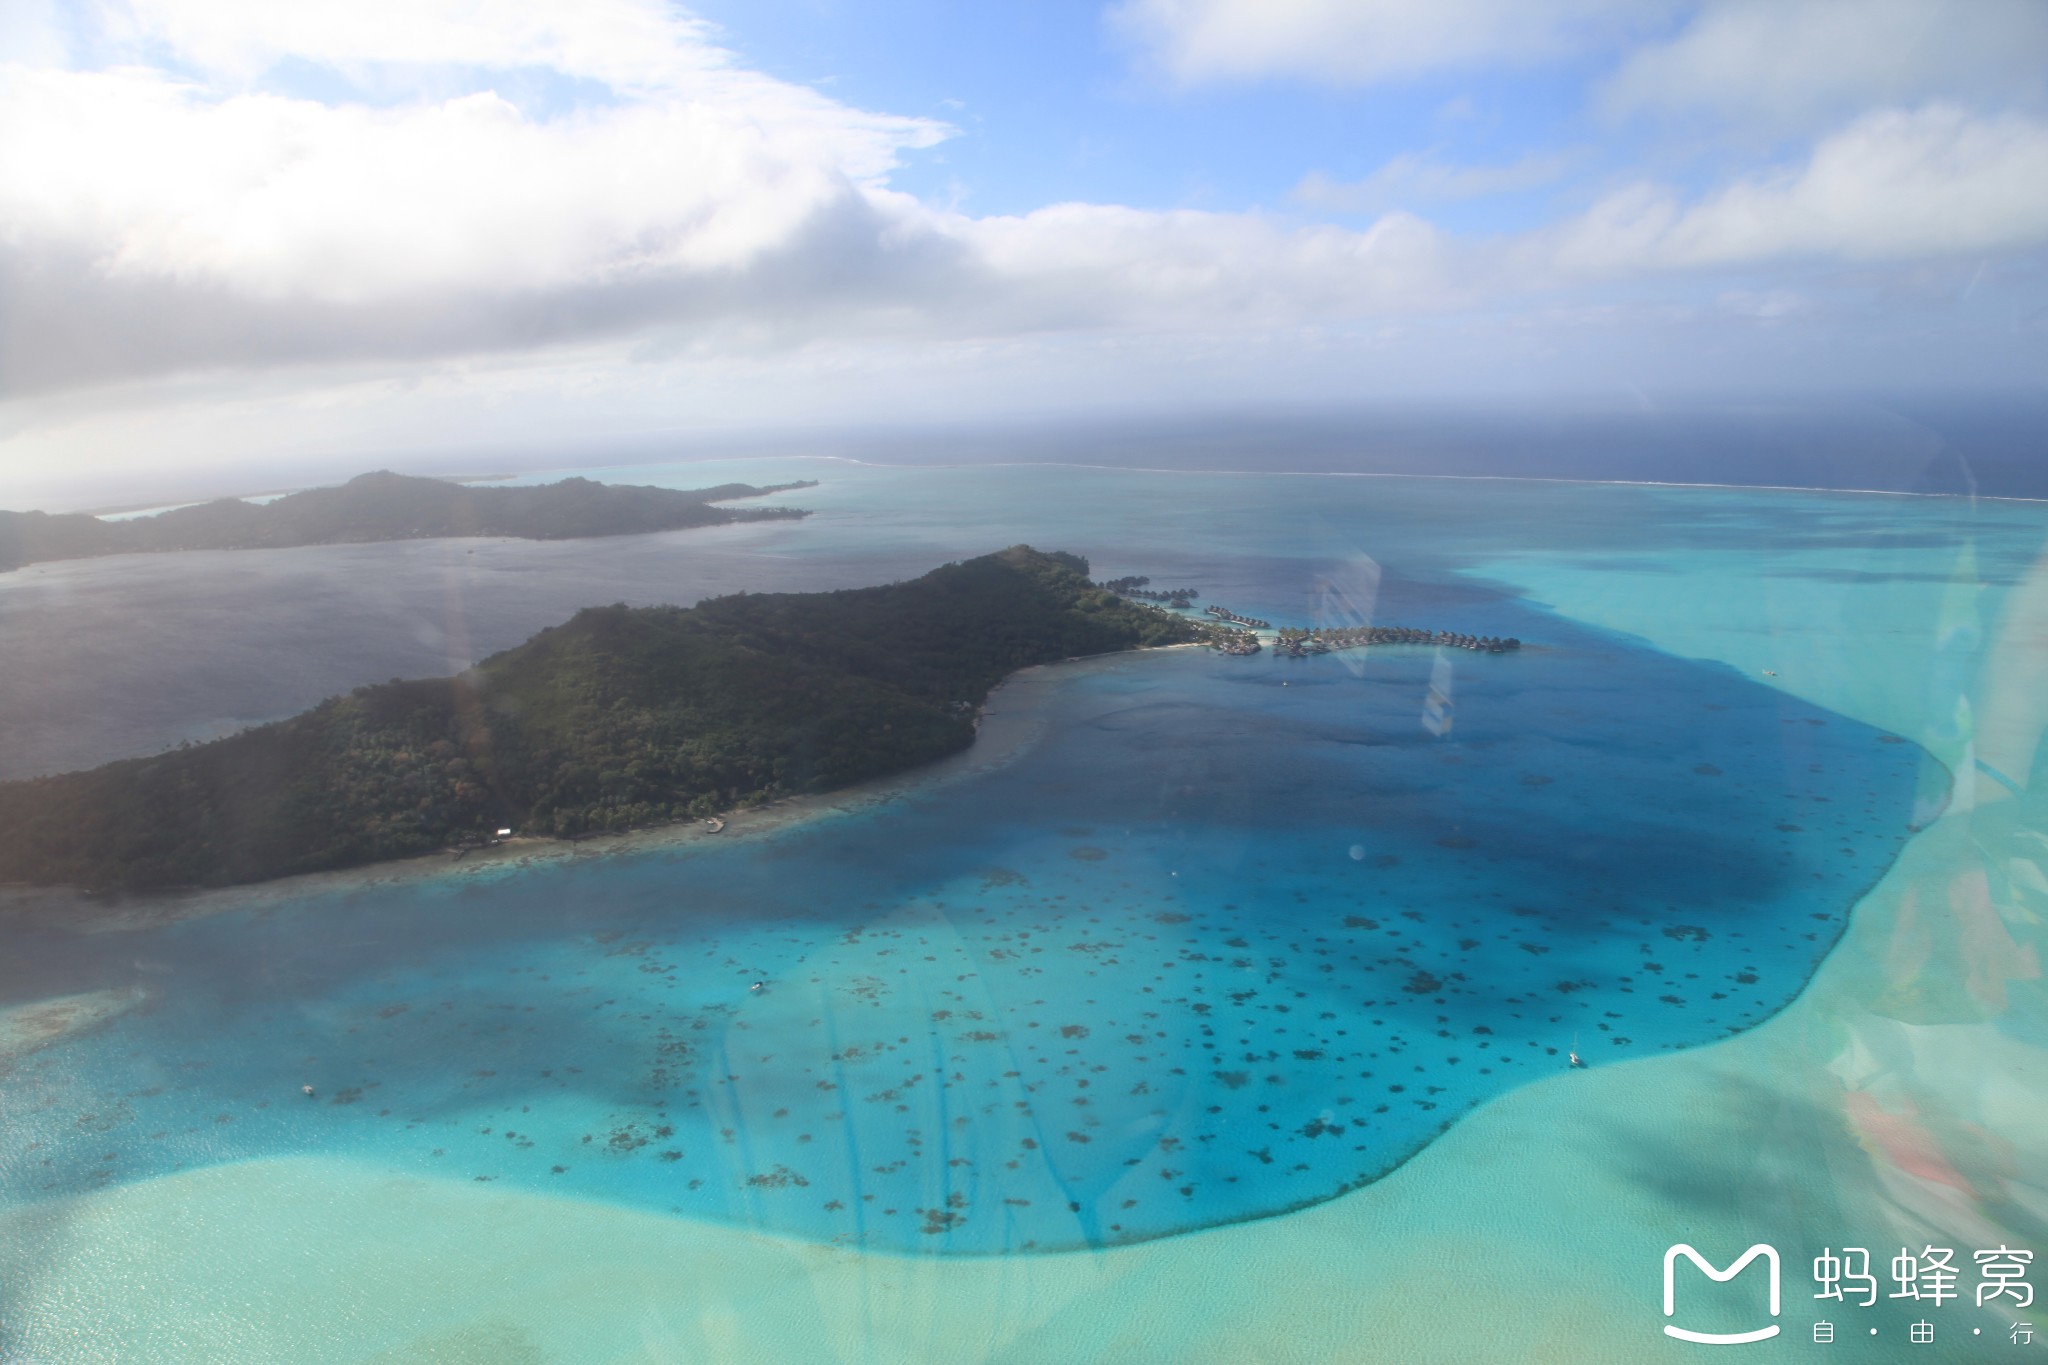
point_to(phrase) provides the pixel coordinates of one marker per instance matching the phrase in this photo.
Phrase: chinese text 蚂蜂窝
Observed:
(1929, 1275)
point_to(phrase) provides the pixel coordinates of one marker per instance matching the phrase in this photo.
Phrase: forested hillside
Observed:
(385, 506)
(620, 717)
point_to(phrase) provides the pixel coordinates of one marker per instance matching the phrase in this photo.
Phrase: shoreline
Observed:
(1001, 734)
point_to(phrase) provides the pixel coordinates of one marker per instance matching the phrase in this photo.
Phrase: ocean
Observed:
(1229, 949)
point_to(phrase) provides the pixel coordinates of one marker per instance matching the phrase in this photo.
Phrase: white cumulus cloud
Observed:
(280, 198)
(1892, 185)
(1791, 62)
(183, 205)
(193, 214)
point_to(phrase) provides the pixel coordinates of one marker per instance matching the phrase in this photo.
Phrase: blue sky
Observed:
(239, 234)
(1051, 106)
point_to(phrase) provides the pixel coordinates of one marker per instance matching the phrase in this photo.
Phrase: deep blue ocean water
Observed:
(1237, 935)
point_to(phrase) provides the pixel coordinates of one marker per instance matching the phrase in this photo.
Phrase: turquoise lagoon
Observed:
(1229, 938)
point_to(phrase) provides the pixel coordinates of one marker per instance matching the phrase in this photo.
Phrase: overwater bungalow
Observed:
(1223, 614)
(1226, 641)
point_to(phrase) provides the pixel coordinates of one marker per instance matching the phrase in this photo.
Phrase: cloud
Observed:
(1893, 185)
(630, 46)
(1783, 61)
(1792, 62)
(203, 215)
(1358, 42)
(1420, 178)
(288, 198)
(1098, 265)
(153, 222)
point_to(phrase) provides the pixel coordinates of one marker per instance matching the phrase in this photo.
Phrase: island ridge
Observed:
(622, 717)
(386, 506)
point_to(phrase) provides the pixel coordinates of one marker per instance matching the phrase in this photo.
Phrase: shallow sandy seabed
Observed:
(24, 1028)
(1533, 1230)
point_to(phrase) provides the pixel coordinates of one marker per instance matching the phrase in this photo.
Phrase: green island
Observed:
(386, 506)
(620, 718)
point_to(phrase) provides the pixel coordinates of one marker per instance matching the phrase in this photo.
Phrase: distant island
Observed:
(386, 506)
(622, 717)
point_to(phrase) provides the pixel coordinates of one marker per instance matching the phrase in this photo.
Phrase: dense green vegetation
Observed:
(621, 717)
(385, 506)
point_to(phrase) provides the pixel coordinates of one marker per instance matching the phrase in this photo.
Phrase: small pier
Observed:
(1229, 633)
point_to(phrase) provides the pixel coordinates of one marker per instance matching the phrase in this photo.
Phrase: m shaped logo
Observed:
(1770, 1256)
